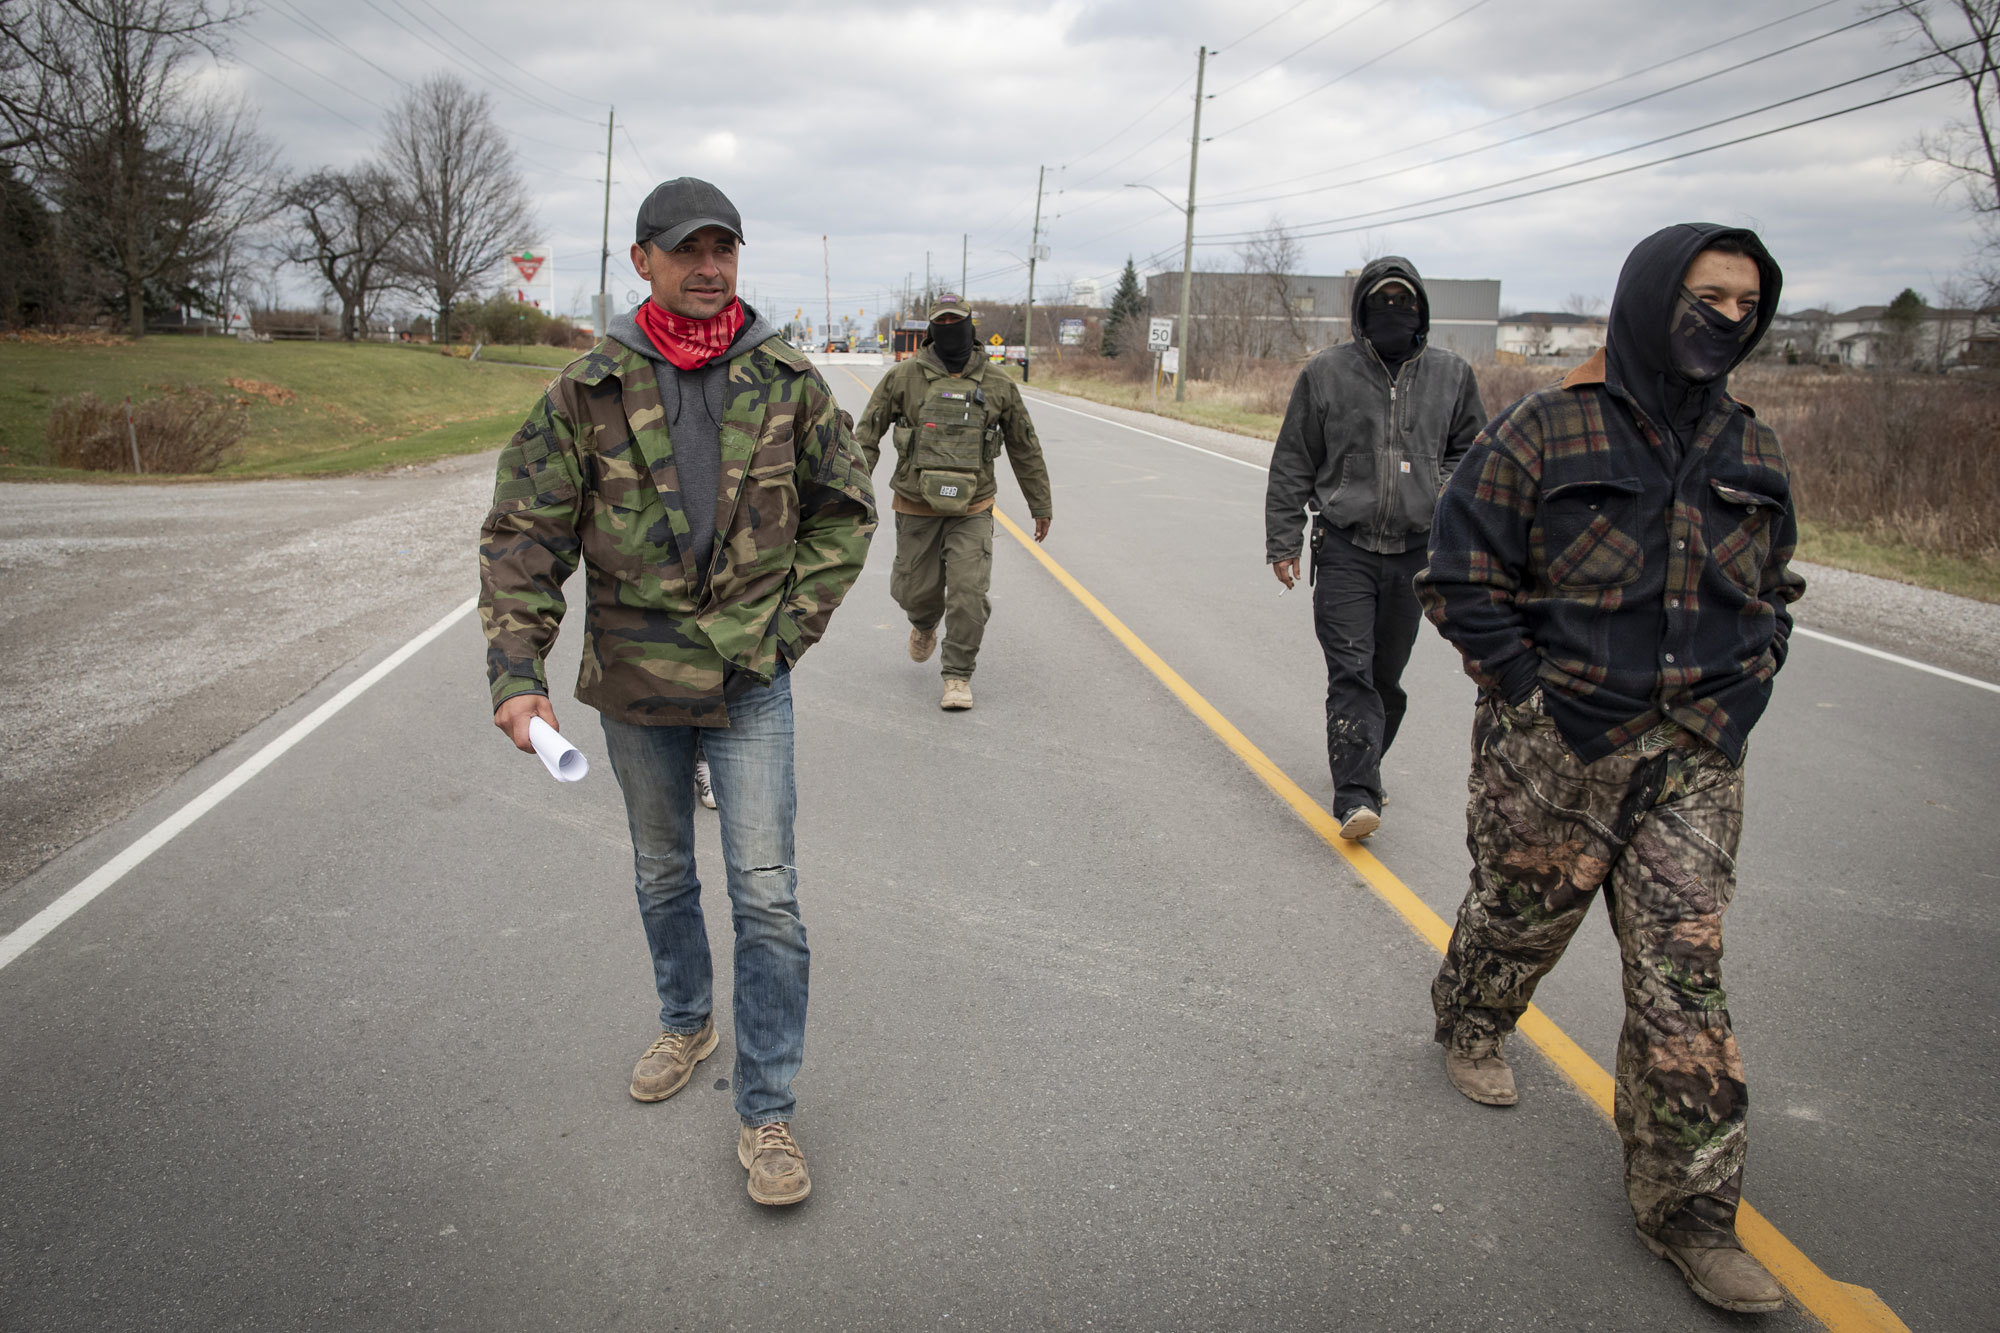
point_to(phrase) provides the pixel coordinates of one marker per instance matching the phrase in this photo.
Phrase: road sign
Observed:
(997, 340)
(1170, 361)
(528, 263)
(1158, 334)
(1070, 333)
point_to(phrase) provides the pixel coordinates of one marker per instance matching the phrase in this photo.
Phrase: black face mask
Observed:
(952, 340)
(1702, 343)
(1393, 331)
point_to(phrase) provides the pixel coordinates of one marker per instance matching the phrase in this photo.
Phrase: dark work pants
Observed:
(1366, 613)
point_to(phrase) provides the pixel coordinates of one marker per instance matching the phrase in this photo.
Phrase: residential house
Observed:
(1256, 316)
(1552, 333)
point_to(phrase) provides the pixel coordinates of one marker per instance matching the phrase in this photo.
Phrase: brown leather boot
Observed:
(923, 642)
(1487, 1079)
(669, 1062)
(957, 694)
(1724, 1276)
(775, 1162)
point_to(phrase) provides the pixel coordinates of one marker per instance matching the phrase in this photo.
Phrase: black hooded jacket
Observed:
(1633, 576)
(1368, 445)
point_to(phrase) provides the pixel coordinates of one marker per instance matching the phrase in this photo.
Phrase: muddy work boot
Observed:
(669, 1062)
(1486, 1079)
(1722, 1275)
(1359, 822)
(923, 642)
(775, 1162)
(957, 694)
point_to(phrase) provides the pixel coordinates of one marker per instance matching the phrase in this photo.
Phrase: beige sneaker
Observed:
(1722, 1275)
(957, 694)
(1487, 1079)
(923, 642)
(1358, 823)
(776, 1165)
(669, 1062)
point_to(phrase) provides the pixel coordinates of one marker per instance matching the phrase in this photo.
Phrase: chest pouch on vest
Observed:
(949, 447)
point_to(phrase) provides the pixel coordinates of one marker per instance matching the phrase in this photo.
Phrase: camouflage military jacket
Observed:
(590, 476)
(998, 412)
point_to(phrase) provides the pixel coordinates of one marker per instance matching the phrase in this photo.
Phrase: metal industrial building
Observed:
(1259, 316)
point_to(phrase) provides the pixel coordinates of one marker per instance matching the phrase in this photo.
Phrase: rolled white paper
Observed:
(564, 761)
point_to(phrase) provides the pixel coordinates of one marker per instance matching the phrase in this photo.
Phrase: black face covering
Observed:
(1393, 331)
(1704, 345)
(952, 341)
(1666, 351)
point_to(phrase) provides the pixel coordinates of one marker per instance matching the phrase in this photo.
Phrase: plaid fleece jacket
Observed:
(1572, 552)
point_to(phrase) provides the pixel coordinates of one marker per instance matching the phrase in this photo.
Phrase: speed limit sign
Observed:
(1159, 334)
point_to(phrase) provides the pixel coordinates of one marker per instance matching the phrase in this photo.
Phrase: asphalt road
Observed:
(1102, 1035)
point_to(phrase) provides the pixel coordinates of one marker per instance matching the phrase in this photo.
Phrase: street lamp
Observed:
(1187, 279)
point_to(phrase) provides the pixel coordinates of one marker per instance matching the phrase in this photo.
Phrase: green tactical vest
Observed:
(951, 446)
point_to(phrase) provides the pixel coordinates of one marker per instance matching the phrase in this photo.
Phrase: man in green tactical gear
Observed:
(953, 414)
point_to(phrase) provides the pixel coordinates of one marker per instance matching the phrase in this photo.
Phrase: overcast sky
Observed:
(894, 129)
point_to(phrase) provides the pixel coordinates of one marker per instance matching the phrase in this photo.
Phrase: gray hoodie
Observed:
(694, 400)
(1368, 447)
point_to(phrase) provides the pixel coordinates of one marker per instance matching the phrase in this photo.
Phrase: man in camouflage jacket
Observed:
(953, 414)
(700, 469)
(1612, 560)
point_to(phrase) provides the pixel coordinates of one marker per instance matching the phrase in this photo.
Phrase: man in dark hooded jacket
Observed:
(1612, 560)
(1374, 427)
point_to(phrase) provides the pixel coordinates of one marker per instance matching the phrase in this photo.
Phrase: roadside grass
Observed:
(1208, 404)
(1887, 558)
(313, 408)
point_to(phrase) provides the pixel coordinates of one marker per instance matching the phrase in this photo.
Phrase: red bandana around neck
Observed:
(691, 343)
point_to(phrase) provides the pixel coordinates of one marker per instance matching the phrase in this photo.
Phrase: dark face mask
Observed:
(1703, 344)
(952, 340)
(1393, 331)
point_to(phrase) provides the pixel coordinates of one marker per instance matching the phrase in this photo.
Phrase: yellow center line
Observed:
(1838, 1305)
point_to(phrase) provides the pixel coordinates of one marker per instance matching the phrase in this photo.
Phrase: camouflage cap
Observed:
(949, 303)
(678, 208)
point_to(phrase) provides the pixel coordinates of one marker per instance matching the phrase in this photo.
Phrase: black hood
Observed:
(1388, 266)
(1637, 356)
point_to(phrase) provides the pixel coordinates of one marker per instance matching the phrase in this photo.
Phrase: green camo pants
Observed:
(944, 566)
(1655, 824)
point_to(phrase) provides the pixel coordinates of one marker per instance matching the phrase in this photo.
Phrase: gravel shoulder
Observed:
(1957, 633)
(149, 626)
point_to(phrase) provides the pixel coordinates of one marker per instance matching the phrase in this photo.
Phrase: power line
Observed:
(1128, 129)
(467, 62)
(291, 87)
(314, 27)
(1372, 60)
(1351, 19)
(1259, 28)
(473, 37)
(637, 156)
(1586, 180)
(1559, 125)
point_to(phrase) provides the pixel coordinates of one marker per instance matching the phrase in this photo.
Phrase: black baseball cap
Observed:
(678, 208)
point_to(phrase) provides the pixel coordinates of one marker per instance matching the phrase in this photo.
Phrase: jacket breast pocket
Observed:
(1588, 535)
(628, 535)
(772, 499)
(1739, 532)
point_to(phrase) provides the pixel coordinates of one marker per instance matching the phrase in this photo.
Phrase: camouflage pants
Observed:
(944, 566)
(1655, 825)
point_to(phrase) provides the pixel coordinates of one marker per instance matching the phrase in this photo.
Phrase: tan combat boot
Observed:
(1722, 1275)
(957, 694)
(1486, 1079)
(669, 1062)
(775, 1162)
(923, 642)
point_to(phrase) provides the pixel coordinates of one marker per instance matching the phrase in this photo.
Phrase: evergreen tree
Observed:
(1128, 306)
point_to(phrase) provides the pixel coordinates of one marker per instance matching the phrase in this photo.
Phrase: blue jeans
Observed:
(750, 764)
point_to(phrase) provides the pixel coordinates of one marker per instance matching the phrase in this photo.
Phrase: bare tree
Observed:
(1962, 39)
(466, 202)
(346, 225)
(1583, 307)
(153, 179)
(1273, 256)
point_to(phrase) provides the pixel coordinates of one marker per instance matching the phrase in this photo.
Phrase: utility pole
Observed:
(1034, 245)
(826, 271)
(964, 249)
(1187, 255)
(928, 298)
(602, 313)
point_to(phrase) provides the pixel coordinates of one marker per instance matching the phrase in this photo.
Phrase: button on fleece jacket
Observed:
(1370, 448)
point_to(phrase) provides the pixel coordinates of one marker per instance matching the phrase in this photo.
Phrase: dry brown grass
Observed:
(183, 430)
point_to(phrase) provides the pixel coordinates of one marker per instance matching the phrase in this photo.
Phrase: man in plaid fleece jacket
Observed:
(1612, 559)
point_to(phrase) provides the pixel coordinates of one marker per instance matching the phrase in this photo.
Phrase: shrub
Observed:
(183, 430)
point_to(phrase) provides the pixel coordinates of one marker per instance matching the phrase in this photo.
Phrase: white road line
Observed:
(1797, 629)
(1111, 421)
(62, 909)
(1973, 681)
